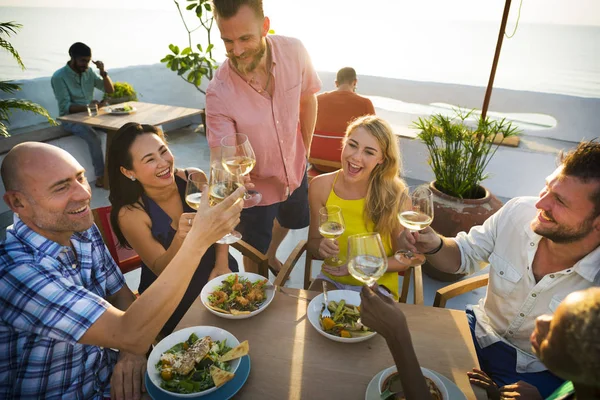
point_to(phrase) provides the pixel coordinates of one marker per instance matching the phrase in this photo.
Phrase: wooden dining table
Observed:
(145, 113)
(291, 360)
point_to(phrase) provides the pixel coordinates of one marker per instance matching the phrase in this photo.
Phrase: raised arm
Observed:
(135, 329)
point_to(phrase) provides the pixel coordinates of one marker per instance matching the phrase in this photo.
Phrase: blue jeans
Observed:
(93, 141)
(499, 361)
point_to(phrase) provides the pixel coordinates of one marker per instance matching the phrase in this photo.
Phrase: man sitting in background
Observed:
(335, 110)
(539, 250)
(64, 305)
(73, 87)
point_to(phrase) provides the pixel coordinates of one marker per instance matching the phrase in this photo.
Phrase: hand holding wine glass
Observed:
(331, 226)
(416, 214)
(237, 157)
(367, 260)
(221, 185)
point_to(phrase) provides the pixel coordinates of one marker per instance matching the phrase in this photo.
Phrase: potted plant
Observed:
(123, 92)
(460, 147)
(7, 105)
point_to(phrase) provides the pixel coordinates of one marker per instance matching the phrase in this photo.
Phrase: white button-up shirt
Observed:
(514, 299)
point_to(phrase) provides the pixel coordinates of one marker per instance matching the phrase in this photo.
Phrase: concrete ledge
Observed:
(40, 135)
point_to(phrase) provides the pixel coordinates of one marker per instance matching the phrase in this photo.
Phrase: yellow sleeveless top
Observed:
(353, 213)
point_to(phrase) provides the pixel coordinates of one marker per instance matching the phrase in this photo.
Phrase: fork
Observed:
(325, 313)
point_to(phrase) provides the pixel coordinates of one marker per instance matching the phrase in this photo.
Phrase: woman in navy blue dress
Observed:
(149, 212)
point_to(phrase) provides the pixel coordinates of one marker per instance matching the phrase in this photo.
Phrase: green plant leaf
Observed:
(199, 46)
(9, 87)
(199, 11)
(186, 51)
(191, 76)
(168, 57)
(174, 49)
(209, 48)
(207, 7)
(198, 80)
(190, 6)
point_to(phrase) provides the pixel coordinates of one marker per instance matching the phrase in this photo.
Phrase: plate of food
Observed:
(120, 109)
(344, 325)
(195, 361)
(237, 295)
(390, 380)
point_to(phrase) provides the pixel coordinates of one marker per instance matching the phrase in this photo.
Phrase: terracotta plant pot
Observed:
(453, 215)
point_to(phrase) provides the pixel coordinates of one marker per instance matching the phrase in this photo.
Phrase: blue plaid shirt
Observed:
(48, 299)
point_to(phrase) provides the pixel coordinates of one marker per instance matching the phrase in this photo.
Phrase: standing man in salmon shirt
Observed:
(266, 90)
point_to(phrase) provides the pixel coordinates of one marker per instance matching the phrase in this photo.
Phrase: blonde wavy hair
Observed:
(385, 185)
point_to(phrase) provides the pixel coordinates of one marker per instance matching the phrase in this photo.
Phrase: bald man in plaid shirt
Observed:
(64, 305)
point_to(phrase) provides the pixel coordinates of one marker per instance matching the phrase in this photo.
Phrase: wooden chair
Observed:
(301, 248)
(456, 289)
(127, 259)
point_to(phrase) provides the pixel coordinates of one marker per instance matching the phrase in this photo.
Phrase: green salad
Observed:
(237, 295)
(186, 367)
(345, 321)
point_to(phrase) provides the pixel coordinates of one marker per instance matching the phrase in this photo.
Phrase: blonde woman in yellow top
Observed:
(368, 190)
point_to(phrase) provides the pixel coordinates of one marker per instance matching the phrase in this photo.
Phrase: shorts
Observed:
(256, 223)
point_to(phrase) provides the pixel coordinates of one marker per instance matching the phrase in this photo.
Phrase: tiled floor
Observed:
(191, 150)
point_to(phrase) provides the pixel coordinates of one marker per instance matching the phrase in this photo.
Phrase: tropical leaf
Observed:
(8, 105)
(9, 87)
(8, 47)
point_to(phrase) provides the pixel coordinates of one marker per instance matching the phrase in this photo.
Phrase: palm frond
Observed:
(9, 28)
(8, 105)
(9, 87)
(8, 47)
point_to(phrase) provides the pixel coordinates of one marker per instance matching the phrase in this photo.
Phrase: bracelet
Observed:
(437, 249)
(103, 74)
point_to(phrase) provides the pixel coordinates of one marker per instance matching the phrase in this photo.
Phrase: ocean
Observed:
(560, 59)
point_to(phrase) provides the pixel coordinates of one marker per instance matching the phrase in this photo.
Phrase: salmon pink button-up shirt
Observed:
(271, 123)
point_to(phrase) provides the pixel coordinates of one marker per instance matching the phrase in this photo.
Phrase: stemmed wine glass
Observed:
(221, 185)
(416, 214)
(237, 157)
(331, 226)
(193, 190)
(367, 260)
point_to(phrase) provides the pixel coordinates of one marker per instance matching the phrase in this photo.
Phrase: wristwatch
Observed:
(103, 74)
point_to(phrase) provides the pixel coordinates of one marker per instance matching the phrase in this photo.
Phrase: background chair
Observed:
(127, 259)
(456, 289)
(325, 153)
(301, 247)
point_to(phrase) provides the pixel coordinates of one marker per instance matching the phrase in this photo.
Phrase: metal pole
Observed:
(490, 86)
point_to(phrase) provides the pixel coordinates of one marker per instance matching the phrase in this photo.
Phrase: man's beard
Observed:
(563, 235)
(256, 55)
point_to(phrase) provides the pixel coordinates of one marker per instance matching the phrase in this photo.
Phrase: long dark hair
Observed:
(123, 191)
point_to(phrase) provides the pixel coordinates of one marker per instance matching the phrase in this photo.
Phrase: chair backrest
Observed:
(326, 146)
(126, 259)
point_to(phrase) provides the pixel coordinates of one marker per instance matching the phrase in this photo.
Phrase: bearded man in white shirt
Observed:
(539, 251)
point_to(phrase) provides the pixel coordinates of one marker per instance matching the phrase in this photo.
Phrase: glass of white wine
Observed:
(331, 226)
(367, 260)
(221, 185)
(237, 157)
(193, 190)
(416, 214)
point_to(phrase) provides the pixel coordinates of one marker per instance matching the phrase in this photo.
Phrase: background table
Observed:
(290, 360)
(146, 113)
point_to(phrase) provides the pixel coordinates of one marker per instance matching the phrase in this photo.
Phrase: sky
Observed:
(578, 12)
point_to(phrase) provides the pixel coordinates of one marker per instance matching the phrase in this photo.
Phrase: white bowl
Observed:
(181, 336)
(314, 312)
(427, 373)
(218, 281)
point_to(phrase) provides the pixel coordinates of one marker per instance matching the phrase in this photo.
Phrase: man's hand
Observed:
(382, 314)
(419, 242)
(127, 381)
(479, 378)
(99, 64)
(520, 390)
(215, 222)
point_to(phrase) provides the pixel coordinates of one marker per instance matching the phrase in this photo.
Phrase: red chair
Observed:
(126, 259)
(325, 153)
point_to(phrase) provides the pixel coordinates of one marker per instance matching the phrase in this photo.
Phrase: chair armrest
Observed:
(254, 255)
(290, 263)
(456, 289)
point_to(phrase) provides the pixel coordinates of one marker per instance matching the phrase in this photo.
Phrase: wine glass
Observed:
(331, 226)
(416, 214)
(237, 157)
(367, 260)
(193, 190)
(221, 185)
